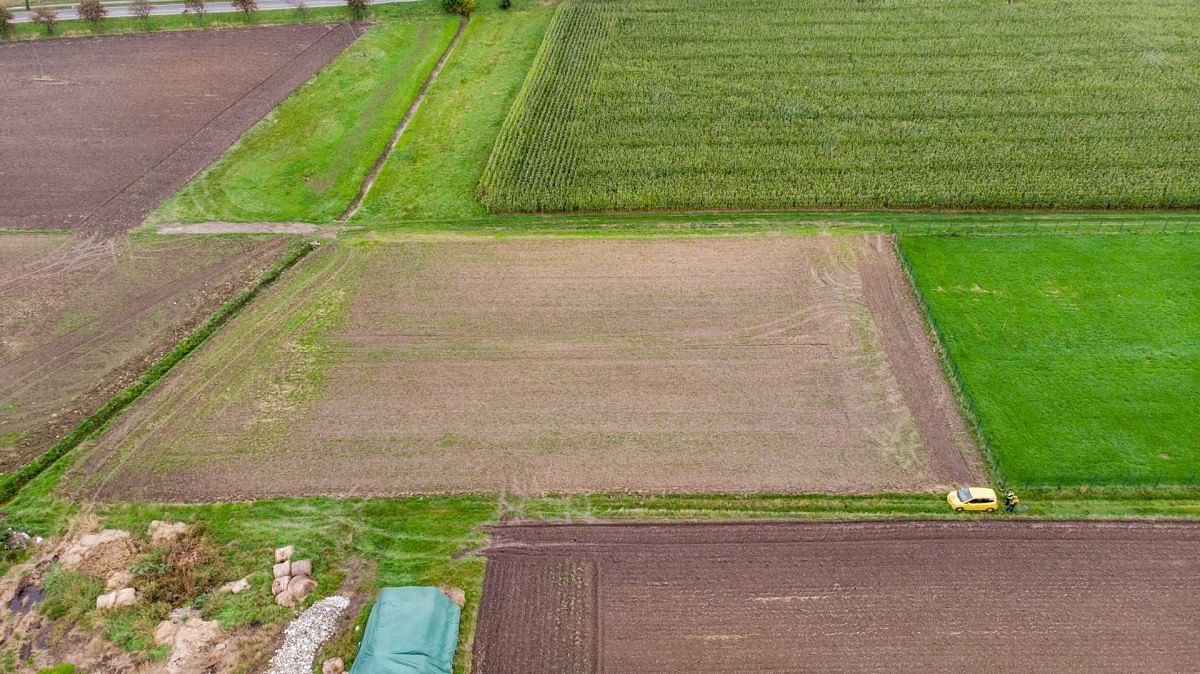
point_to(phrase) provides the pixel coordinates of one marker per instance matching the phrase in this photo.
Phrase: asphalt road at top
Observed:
(122, 10)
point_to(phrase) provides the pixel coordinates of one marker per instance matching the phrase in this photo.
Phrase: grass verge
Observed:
(1076, 354)
(434, 170)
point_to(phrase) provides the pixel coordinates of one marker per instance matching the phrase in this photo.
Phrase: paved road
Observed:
(119, 10)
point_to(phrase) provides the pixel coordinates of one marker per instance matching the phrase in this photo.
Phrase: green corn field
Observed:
(682, 104)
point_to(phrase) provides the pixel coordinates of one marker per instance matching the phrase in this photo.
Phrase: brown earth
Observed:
(725, 365)
(114, 125)
(834, 597)
(82, 318)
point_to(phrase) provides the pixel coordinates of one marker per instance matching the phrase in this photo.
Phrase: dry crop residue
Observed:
(711, 364)
(116, 124)
(831, 597)
(81, 318)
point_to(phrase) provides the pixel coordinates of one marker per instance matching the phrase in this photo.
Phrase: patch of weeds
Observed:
(132, 627)
(69, 594)
(64, 668)
(255, 606)
(176, 573)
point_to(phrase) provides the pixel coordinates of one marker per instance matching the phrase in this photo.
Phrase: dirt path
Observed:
(911, 353)
(841, 597)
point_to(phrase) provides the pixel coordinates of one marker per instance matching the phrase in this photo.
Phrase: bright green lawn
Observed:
(435, 168)
(305, 160)
(1080, 355)
(686, 104)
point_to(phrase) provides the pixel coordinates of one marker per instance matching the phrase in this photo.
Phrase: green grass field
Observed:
(1079, 354)
(662, 104)
(435, 168)
(305, 161)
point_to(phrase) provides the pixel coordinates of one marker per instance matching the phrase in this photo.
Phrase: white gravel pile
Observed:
(304, 636)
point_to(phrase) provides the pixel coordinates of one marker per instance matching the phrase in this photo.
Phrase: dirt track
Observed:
(725, 365)
(114, 125)
(81, 318)
(826, 597)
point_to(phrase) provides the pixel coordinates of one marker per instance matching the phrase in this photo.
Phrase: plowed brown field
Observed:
(840, 597)
(725, 365)
(98, 131)
(81, 318)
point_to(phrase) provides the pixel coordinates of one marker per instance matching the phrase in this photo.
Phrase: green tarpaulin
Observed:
(411, 630)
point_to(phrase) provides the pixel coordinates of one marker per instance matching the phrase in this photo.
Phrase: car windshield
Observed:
(964, 495)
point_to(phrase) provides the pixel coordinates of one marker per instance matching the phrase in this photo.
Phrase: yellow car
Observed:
(972, 498)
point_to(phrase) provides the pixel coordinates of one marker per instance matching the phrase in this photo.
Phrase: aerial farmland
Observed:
(655, 335)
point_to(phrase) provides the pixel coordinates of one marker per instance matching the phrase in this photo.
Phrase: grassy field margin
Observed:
(13, 482)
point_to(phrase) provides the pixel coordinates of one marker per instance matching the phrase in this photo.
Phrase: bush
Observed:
(6, 21)
(195, 6)
(141, 9)
(358, 7)
(47, 17)
(505, 4)
(92, 10)
(247, 6)
(460, 7)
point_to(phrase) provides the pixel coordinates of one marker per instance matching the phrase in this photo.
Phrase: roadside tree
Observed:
(247, 6)
(6, 21)
(358, 8)
(141, 9)
(460, 7)
(46, 17)
(92, 11)
(196, 7)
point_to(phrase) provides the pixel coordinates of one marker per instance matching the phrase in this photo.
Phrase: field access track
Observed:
(829, 597)
(114, 125)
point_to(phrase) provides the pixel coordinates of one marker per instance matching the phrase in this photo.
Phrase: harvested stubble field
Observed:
(548, 365)
(116, 124)
(654, 104)
(81, 318)
(832, 597)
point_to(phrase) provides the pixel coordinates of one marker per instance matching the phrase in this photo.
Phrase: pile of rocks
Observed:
(293, 579)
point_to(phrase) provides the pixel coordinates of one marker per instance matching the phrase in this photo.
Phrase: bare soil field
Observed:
(81, 318)
(115, 124)
(834, 597)
(736, 364)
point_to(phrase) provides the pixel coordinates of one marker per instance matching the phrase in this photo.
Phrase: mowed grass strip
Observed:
(305, 161)
(1080, 355)
(662, 104)
(435, 168)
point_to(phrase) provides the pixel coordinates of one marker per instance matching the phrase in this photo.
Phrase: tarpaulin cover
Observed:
(411, 630)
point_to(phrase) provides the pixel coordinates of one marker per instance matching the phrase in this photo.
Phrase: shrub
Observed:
(505, 4)
(460, 7)
(92, 10)
(247, 6)
(358, 7)
(301, 8)
(6, 21)
(195, 6)
(141, 9)
(47, 17)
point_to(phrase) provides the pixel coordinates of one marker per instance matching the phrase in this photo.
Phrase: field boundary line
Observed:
(966, 406)
(369, 179)
(95, 422)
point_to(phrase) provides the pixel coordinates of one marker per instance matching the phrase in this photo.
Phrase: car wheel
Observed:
(991, 510)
